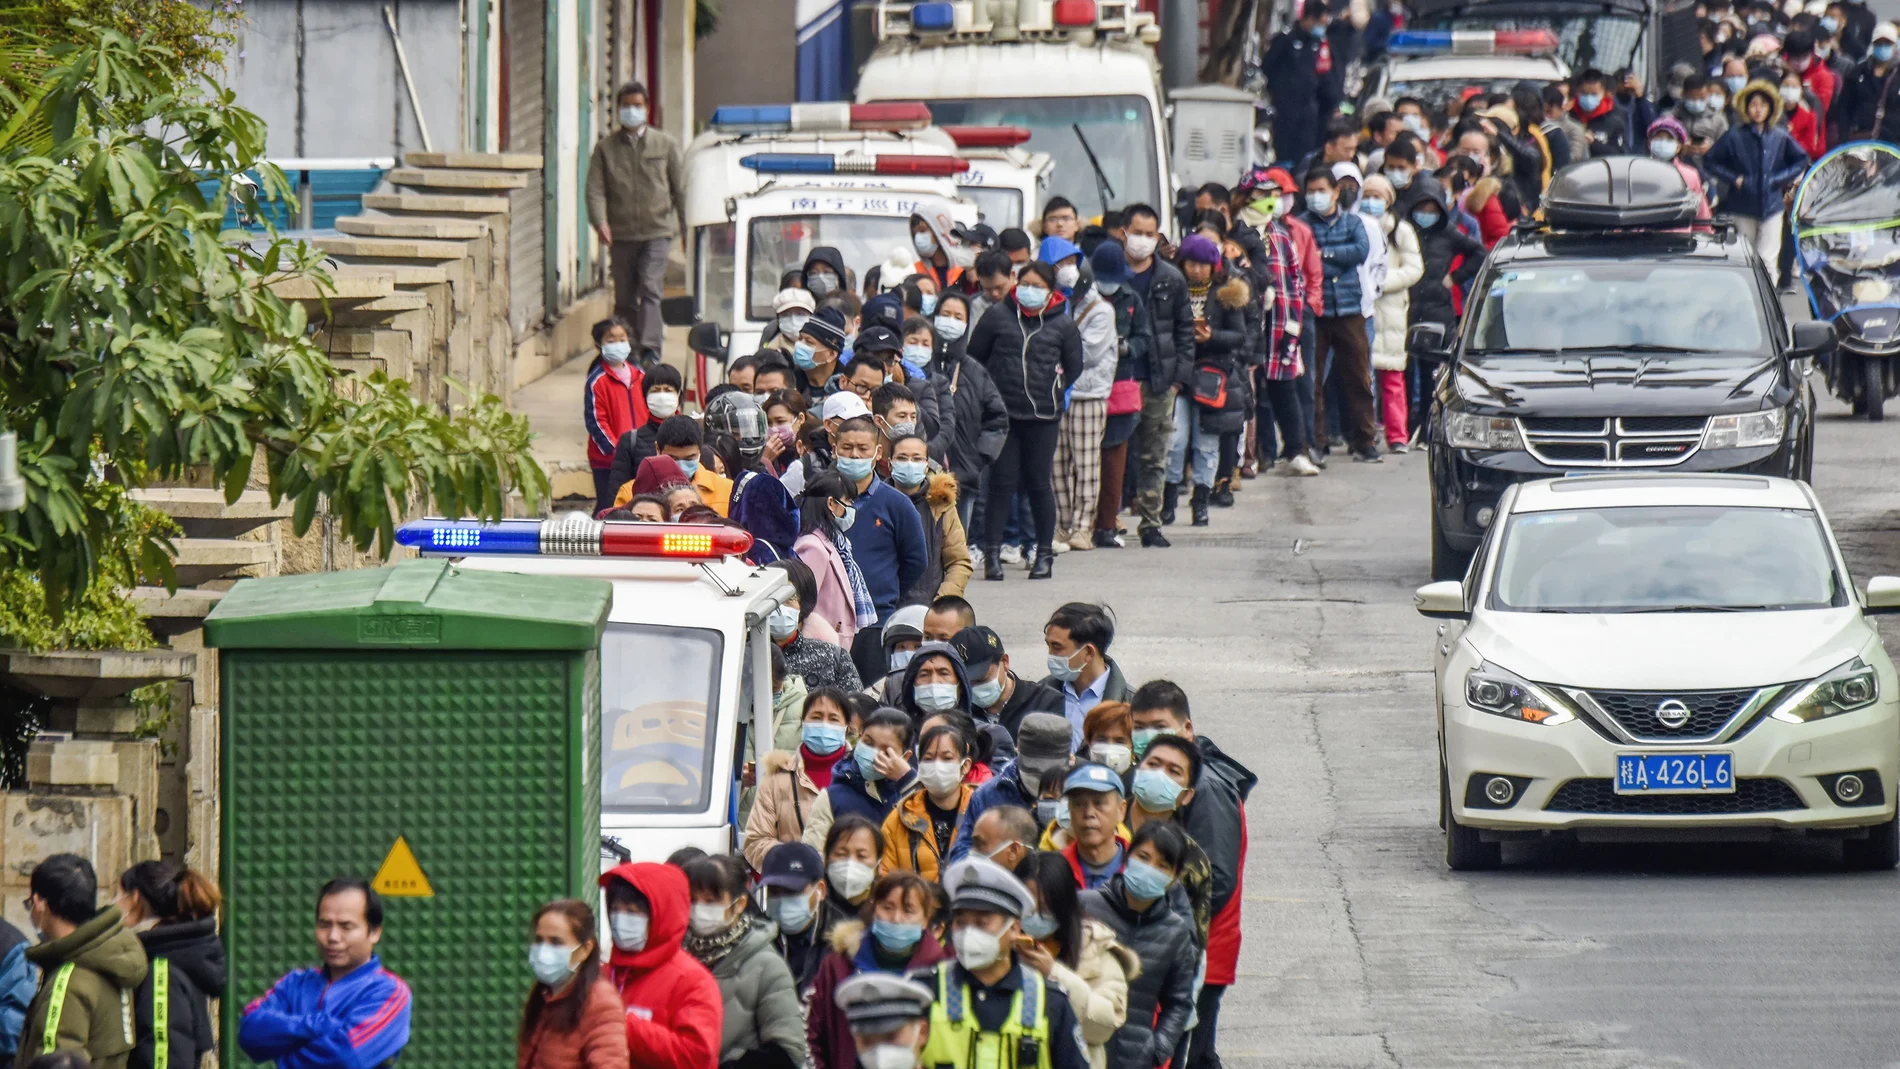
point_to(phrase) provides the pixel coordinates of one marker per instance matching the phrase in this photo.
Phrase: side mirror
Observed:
(707, 339)
(678, 312)
(1883, 596)
(1446, 600)
(1813, 338)
(1427, 338)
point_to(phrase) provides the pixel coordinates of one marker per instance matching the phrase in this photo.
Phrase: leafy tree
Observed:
(138, 343)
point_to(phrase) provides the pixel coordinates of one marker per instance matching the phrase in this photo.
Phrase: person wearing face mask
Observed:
(636, 201)
(1134, 903)
(1799, 56)
(999, 696)
(1078, 635)
(1404, 267)
(1108, 737)
(816, 353)
(866, 783)
(824, 271)
(1666, 141)
(940, 257)
(918, 833)
(889, 1018)
(903, 633)
(1558, 118)
(1033, 353)
(812, 647)
(1800, 116)
(892, 935)
(1066, 257)
(1342, 348)
(792, 881)
(1869, 102)
(1160, 789)
(885, 541)
(1133, 343)
(826, 512)
(173, 910)
(1298, 64)
(673, 1010)
(947, 562)
(1604, 120)
(763, 1024)
(790, 309)
(990, 1003)
(1077, 466)
(1044, 748)
(612, 404)
(1451, 259)
(681, 438)
(1703, 122)
(933, 682)
(794, 771)
(573, 1018)
(1209, 417)
(663, 386)
(1160, 372)
(1753, 165)
(1078, 954)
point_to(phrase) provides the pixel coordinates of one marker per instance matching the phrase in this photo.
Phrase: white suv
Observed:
(1640, 657)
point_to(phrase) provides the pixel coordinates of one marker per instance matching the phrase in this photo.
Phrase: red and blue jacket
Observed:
(610, 409)
(307, 1021)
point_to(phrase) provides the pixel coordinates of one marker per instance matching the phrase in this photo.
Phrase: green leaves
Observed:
(138, 343)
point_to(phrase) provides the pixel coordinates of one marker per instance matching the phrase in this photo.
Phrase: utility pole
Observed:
(1180, 43)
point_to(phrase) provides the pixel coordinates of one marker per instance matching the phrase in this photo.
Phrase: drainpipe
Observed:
(1180, 43)
(551, 160)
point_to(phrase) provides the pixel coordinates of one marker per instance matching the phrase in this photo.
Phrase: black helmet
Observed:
(737, 414)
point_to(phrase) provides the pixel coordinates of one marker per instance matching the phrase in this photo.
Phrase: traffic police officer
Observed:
(889, 1018)
(992, 1011)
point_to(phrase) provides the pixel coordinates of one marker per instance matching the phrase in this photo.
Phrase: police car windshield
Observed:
(1000, 208)
(1610, 304)
(780, 243)
(1606, 42)
(1665, 559)
(656, 746)
(1120, 129)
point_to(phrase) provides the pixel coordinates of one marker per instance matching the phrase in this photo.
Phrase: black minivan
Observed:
(1617, 335)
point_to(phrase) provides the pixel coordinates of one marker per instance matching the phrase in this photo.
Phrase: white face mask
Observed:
(976, 948)
(663, 403)
(1141, 246)
(790, 325)
(850, 878)
(1068, 275)
(940, 777)
(949, 328)
(706, 918)
(633, 116)
(1113, 754)
(629, 930)
(889, 1056)
(616, 352)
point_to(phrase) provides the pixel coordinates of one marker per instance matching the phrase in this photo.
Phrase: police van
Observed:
(1442, 67)
(685, 662)
(1007, 183)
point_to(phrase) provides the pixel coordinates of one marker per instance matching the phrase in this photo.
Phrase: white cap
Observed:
(845, 405)
(1887, 31)
(793, 299)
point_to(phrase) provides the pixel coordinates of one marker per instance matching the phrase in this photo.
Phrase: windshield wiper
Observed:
(1700, 608)
(1641, 347)
(1102, 187)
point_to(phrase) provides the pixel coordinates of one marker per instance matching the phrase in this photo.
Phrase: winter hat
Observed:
(885, 309)
(793, 299)
(1668, 125)
(1055, 250)
(1109, 263)
(898, 266)
(1196, 249)
(827, 325)
(1381, 187)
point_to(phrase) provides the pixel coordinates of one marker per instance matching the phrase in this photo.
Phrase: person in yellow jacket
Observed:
(919, 832)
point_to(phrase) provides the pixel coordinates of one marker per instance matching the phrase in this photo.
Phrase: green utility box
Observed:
(435, 730)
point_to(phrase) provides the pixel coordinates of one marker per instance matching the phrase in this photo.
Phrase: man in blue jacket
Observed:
(886, 538)
(1340, 348)
(1753, 165)
(1042, 754)
(349, 1013)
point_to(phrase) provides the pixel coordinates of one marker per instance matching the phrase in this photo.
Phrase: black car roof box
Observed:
(1614, 192)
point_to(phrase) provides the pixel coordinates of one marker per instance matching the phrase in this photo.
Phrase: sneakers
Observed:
(1398, 448)
(1318, 458)
(1109, 540)
(1152, 538)
(1367, 455)
(1010, 555)
(1301, 465)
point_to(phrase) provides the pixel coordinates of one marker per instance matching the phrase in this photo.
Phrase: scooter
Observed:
(1847, 249)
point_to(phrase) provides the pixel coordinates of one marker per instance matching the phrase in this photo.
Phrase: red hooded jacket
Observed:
(675, 1014)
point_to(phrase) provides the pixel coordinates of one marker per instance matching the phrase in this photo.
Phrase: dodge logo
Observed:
(1672, 713)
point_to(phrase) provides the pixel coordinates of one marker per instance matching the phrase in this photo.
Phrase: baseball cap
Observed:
(980, 649)
(844, 405)
(1093, 777)
(878, 339)
(1042, 743)
(793, 299)
(791, 867)
(982, 235)
(1887, 31)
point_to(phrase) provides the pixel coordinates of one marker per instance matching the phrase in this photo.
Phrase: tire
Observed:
(1873, 390)
(1465, 851)
(1447, 563)
(1878, 852)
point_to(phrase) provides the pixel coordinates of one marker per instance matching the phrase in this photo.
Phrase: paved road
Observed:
(1289, 622)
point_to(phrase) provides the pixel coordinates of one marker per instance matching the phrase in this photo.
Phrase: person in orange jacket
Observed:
(675, 1014)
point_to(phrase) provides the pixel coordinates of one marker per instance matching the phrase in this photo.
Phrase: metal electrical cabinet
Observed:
(434, 729)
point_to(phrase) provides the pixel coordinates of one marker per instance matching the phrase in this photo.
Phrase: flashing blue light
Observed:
(938, 17)
(457, 538)
(753, 117)
(791, 162)
(1421, 41)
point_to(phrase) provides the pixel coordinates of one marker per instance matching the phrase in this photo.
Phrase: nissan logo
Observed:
(1672, 713)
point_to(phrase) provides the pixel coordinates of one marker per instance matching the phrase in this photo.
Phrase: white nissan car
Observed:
(1674, 657)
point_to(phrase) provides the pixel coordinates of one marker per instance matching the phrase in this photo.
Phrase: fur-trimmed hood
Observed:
(1481, 193)
(1234, 293)
(846, 936)
(776, 761)
(1767, 88)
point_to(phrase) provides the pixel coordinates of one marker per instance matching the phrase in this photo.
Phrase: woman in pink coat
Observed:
(1666, 138)
(825, 513)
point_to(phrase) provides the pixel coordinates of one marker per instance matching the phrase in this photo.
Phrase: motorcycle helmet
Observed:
(738, 415)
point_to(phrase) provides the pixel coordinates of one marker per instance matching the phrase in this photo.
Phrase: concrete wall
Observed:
(749, 60)
(323, 75)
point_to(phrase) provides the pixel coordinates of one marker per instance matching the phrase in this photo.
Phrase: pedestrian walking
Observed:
(1342, 348)
(572, 1018)
(636, 201)
(920, 831)
(763, 1024)
(174, 912)
(673, 1009)
(346, 1013)
(1134, 905)
(892, 934)
(1079, 954)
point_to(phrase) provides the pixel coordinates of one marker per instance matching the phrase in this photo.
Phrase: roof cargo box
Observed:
(1618, 192)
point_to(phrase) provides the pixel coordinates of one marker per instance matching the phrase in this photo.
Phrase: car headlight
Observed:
(1852, 686)
(1466, 430)
(1493, 690)
(1751, 428)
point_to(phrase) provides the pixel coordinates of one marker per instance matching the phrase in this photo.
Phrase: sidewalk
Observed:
(552, 404)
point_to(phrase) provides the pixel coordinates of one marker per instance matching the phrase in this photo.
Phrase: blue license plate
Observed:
(1675, 773)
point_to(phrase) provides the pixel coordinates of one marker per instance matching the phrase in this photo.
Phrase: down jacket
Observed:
(1764, 161)
(1161, 998)
(827, 1032)
(194, 957)
(96, 1017)
(780, 808)
(1172, 356)
(946, 546)
(976, 424)
(1098, 987)
(599, 1043)
(1032, 358)
(761, 999)
(1405, 266)
(1234, 347)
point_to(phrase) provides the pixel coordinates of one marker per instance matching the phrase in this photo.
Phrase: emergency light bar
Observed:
(973, 21)
(826, 163)
(574, 535)
(987, 136)
(825, 118)
(1472, 42)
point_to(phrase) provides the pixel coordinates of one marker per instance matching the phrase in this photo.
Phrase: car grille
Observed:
(1602, 442)
(1636, 711)
(1752, 795)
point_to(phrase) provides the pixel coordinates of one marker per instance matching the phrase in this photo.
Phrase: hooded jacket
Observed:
(1217, 820)
(851, 793)
(1032, 357)
(195, 957)
(827, 1033)
(761, 998)
(1030, 696)
(906, 698)
(96, 1016)
(308, 1021)
(832, 258)
(1439, 245)
(946, 546)
(675, 1014)
(1161, 998)
(1764, 161)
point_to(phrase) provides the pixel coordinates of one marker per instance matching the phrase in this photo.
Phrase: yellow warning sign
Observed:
(401, 876)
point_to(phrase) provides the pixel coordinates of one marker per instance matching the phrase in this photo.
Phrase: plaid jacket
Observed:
(1286, 301)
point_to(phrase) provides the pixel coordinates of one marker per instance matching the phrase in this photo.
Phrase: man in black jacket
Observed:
(1299, 63)
(998, 695)
(973, 423)
(1163, 370)
(1857, 104)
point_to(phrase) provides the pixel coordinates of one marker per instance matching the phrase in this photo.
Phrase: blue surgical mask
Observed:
(896, 938)
(1735, 82)
(1372, 206)
(949, 328)
(633, 116)
(1883, 52)
(1319, 202)
(917, 354)
(1588, 102)
(1398, 177)
(929, 303)
(629, 930)
(822, 739)
(1144, 881)
(1032, 298)
(856, 468)
(850, 517)
(1663, 148)
(687, 467)
(783, 622)
(1319, 31)
(901, 660)
(550, 962)
(866, 757)
(987, 693)
(1831, 24)
(805, 355)
(793, 911)
(935, 697)
(1155, 791)
(909, 473)
(1425, 220)
(616, 352)
(1062, 669)
(1039, 925)
(924, 243)
(1695, 106)
(1144, 736)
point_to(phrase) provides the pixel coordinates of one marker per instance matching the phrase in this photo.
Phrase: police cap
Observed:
(875, 1002)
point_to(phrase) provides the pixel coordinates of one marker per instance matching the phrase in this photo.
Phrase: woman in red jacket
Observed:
(674, 1012)
(573, 1016)
(1798, 105)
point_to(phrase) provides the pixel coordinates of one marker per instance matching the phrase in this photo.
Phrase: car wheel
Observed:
(1447, 563)
(1880, 850)
(1873, 392)
(1465, 851)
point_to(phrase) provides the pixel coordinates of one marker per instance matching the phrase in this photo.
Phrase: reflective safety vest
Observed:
(958, 1042)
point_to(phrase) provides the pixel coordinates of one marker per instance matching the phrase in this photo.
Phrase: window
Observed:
(1119, 130)
(1000, 207)
(1621, 304)
(716, 283)
(780, 243)
(659, 687)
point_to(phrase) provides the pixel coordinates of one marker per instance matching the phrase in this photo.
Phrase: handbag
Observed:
(1124, 397)
(1209, 386)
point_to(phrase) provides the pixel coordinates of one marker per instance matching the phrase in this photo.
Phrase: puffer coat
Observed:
(1098, 987)
(1404, 267)
(599, 1042)
(1161, 998)
(761, 998)
(1234, 347)
(1032, 359)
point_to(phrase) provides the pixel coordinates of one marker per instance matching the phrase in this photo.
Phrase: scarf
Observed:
(818, 766)
(860, 594)
(708, 949)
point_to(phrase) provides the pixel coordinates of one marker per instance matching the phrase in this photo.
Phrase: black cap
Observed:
(979, 647)
(791, 867)
(982, 235)
(878, 339)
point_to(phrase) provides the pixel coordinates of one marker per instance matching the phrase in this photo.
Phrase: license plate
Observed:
(1675, 773)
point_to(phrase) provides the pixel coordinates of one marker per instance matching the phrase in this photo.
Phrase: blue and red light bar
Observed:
(826, 118)
(1473, 42)
(826, 163)
(574, 535)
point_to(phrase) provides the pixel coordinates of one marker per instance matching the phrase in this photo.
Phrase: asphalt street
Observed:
(1289, 621)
